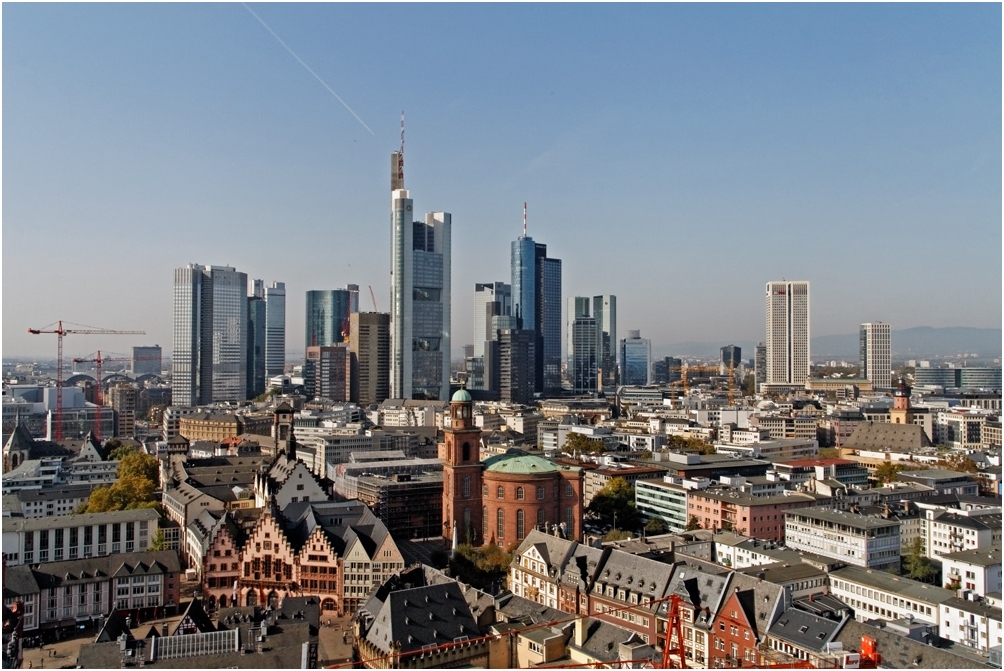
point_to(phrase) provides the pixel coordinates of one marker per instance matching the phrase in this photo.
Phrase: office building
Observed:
(959, 378)
(732, 357)
(327, 372)
(582, 345)
(420, 297)
(327, 315)
(275, 329)
(787, 333)
(517, 356)
(876, 354)
(256, 339)
(210, 335)
(146, 361)
(635, 359)
(485, 294)
(536, 304)
(605, 314)
(858, 540)
(369, 342)
(760, 364)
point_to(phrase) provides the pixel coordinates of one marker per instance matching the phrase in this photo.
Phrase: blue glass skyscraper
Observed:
(536, 304)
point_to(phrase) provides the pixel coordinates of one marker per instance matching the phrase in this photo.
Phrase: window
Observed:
(484, 490)
(466, 449)
(519, 523)
(501, 523)
(540, 493)
(569, 492)
(500, 492)
(540, 517)
(519, 493)
(467, 487)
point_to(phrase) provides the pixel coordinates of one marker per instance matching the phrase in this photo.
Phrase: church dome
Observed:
(461, 396)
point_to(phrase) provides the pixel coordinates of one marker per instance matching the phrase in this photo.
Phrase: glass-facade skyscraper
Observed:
(420, 297)
(256, 339)
(636, 359)
(210, 335)
(605, 314)
(327, 315)
(275, 329)
(536, 304)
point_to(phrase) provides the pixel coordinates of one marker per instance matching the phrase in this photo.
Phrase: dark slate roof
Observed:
(704, 591)
(767, 600)
(134, 563)
(641, 575)
(885, 437)
(603, 639)
(824, 605)
(19, 581)
(518, 609)
(418, 617)
(899, 652)
(21, 439)
(979, 523)
(113, 627)
(199, 618)
(805, 630)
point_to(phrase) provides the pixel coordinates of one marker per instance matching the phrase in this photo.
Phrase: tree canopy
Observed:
(138, 474)
(141, 465)
(655, 526)
(481, 567)
(916, 562)
(690, 444)
(614, 504)
(887, 472)
(693, 524)
(579, 442)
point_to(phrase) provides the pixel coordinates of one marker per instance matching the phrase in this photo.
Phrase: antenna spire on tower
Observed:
(524, 220)
(400, 157)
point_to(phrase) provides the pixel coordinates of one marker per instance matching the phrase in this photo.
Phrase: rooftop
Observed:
(893, 584)
(841, 517)
(986, 557)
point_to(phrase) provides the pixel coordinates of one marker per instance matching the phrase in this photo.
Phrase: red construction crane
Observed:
(674, 631)
(98, 360)
(60, 332)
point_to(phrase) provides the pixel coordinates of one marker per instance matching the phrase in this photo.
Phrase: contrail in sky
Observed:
(300, 61)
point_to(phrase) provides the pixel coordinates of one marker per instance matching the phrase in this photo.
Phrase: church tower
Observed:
(282, 431)
(900, 412)
(462, 473)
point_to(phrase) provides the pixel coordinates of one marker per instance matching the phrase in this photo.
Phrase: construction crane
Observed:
(60, 332)
(674, 631)
(98, 361)
(373, 298)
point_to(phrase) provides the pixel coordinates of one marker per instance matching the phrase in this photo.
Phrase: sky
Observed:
(676, 156)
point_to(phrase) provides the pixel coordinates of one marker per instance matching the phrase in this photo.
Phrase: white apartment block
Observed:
(971, 621)
(877, 594)
(48, 539)
(858, 540)
(958, 530)
(978, 571)
(876, 353)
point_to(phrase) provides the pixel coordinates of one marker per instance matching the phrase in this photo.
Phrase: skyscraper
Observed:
(516, 354)
(760, 365)
(536, 304)
(636, 359)
(210, 335)
(484, 295)
(732, 355)
(369, 342)
(582, 345)
(256, 339)
(327, 372)
(876, 354)
(605, 314)
(275, 329)
(146, 360)
(327, 315)
(787, 333)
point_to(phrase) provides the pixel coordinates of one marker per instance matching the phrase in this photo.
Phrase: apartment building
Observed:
(53, 539)
(858, 540)
(877, 594)
(971, 621)
(978, 571)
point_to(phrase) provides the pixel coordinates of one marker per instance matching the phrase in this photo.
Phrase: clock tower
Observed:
(462, 473)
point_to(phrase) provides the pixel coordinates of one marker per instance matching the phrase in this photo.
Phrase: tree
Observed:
(141, 465)
(958, 462)
(482, 567)
(616, 535)
(655, 526)
(916, 563)
(887, 471)
(689, 444)
(159, 542)
(579, 442)
(693, 524)
(614, 504)
(117, 451)
(829, 452)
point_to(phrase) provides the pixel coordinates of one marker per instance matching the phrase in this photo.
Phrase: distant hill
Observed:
(913, 343)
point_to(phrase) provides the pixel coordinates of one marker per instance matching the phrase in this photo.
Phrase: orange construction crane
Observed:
(60, 332)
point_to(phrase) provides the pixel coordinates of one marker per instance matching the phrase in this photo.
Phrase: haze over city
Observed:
(677, 156)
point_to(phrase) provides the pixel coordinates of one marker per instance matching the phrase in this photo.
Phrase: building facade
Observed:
(420, 299)
(583, 339)
(875, 345)
(210, 335)
(787, 333)
(635, 359)
(275, 329)
(369, 342)
(327, 372)
(327, 315)
(605, 314)
(536, 305)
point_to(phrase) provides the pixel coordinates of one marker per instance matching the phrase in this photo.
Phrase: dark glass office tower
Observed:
(536, 304)
(327, 315)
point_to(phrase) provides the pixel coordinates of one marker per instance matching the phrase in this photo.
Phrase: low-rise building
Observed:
(978, 571)
(972, 621)
(596, 479)
(52, 539)
(762, 517)
(858, 540)
(876, 594)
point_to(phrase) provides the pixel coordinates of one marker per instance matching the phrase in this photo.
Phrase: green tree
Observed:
(484, 567)
(693, 524)
(579, 442)
(614, 504)
(829, 452)
(958, 462)
(916, 563)
(689, 444)
(158, 542)
(141, 465)
(118, 451)
(887, 472)
(655, 526)
(616, 535)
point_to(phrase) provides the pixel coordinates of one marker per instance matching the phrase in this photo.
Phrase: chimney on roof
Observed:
(580, 631)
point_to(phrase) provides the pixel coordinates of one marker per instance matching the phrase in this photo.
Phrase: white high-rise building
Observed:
(210, 335)
(275, 329)
(876, 354)
(605, 314)
(420, 297)
(787, 333)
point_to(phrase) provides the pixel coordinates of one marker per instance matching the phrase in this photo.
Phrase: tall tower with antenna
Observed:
(420, 295)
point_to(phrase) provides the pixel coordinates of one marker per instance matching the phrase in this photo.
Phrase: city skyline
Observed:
(689, 152)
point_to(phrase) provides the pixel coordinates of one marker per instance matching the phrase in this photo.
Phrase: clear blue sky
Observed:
(678, 156)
